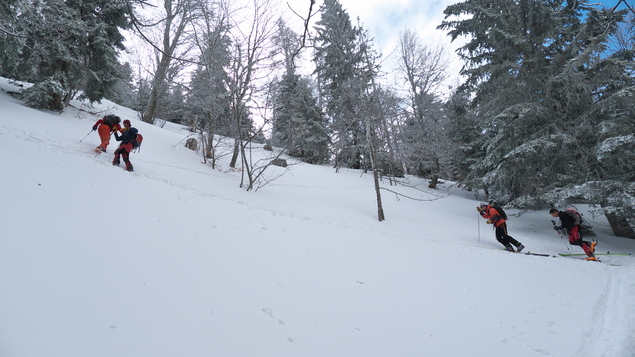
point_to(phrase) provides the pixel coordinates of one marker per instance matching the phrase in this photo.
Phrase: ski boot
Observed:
(520, 247)
(509, 248)
(592, 246)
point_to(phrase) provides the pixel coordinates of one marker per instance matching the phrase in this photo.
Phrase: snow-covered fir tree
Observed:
(547, 98)
(342, 80)
(208, 106)
(298, 122)
(299, 126)
(63, 47)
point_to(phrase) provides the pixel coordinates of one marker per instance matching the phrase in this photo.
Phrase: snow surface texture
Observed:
(175, 259)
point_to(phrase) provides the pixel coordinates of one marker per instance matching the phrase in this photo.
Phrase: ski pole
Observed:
(478, 223)
(86, 136)
(565, 243)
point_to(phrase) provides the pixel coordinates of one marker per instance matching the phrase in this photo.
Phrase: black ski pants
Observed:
(504, 238)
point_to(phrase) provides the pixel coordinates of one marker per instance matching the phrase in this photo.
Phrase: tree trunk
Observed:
(434, 181)
(171, 38)
(373, 162)
(157, 82)
(232, 164)
(56, 103)
(148, 112)
(247, 167)
(380, 207)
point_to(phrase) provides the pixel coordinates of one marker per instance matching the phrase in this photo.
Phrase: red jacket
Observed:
(492, 214)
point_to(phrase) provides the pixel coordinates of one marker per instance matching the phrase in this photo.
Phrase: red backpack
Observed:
(577, 216)
(137, 141)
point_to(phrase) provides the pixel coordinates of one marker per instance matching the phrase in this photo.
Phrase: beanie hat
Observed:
(126, 122)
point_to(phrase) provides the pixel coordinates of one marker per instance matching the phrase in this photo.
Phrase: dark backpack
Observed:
(111, 120)
(500, 211)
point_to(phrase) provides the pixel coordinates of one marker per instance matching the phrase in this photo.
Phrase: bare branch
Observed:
(306, 21)
(11, 33)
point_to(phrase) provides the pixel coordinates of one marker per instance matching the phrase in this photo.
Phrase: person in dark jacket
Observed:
(500, 225)
(125, 147)
(568, 222)
(104, 127)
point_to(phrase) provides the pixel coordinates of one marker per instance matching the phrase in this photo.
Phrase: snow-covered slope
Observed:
(175, 259)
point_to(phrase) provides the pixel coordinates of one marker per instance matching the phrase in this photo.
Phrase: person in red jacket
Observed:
(105, 126)
(500, 225)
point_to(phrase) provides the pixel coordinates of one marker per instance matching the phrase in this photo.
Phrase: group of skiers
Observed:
(129, 138)
(567, 221)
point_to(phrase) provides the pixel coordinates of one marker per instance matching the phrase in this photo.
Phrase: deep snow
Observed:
(175, 259)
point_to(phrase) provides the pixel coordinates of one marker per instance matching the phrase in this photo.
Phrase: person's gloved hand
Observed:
(557, 228)
(489, 221)
(94, 127)
(479, 209)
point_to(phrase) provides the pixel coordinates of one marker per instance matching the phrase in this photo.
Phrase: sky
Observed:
(175, 259)
(385, 19)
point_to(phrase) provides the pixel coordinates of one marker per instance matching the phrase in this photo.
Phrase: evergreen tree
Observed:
(124, 92)
(466, 134)
(514, 49)
(172, 106)
(65, 47)
(12, 34)
(298, 121)
(143, 87)
(208, 102)
(543, 86)
(343, 80)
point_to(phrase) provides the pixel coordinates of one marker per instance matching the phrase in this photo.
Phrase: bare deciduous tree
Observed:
(424, 69)
(251, 55)
(176, 17)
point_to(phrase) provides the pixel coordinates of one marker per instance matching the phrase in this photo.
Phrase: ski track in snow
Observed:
(613, 312)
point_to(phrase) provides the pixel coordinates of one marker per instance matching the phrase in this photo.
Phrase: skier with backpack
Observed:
(104, 126)
(571, 220)
(130, 139)
(496, 216)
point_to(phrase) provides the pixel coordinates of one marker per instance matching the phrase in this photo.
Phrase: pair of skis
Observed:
(532, 253)
(598, 260)
(607, 253)
(573, 255)
(568, 255)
